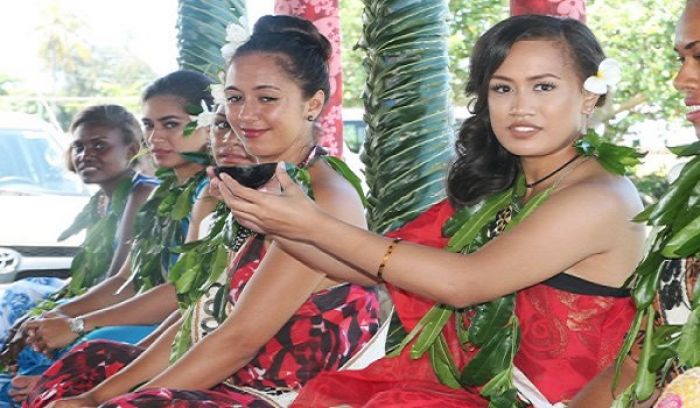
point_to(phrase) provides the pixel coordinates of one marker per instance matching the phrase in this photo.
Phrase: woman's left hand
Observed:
(289, 213)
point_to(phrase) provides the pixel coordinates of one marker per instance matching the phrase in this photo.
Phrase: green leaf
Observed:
(203, 158)
(342, 168)
(648, 273)
(431, 330)
(689, 345)
(183, 204)
(493, 357)
(428, 317)
(455, 222)
(692, 149)
(644, 382)
(490, 317)
(189, 129)
(443, 365)
(685, 242)
(466, 234)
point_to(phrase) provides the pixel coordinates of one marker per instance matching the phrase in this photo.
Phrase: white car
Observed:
(39, 198)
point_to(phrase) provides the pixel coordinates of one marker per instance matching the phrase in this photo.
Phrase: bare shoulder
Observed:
(333, 192)
(601, 194)
(141, 192)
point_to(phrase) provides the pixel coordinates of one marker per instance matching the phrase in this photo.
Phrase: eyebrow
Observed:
(169, 117)
(233, 88)
(689, 45)
(532, 78)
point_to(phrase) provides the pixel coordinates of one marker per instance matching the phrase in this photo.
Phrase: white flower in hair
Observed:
(204, 118)
(217, 92)
(608, 75)
(236, 34)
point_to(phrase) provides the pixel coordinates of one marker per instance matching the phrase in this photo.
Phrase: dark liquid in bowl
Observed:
(252, 176)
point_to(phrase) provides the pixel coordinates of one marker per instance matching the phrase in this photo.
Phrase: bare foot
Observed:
(21, 385)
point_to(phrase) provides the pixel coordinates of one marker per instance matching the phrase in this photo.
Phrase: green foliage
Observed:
(201, 32)
(677, 218)
(80, 68)
(650, 186)
(645, 52)
(406, 108)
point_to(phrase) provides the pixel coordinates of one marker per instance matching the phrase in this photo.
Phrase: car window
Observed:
(32, 163)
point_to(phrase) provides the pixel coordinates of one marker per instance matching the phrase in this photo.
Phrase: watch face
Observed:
(77, 325)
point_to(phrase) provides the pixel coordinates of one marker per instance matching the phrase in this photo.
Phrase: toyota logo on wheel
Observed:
(9, 260)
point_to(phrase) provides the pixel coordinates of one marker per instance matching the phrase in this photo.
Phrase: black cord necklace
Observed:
(557, 170)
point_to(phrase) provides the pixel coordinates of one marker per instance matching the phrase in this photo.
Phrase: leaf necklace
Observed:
(494, 328)
(202, 263)
(666, 347)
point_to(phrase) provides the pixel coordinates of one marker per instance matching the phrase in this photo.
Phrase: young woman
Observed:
(278, 322)
(111, 307)
(566, 261)
(678, 278)
(106, 140)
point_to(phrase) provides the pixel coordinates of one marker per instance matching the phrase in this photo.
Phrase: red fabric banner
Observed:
(563, 8)
(324, 14)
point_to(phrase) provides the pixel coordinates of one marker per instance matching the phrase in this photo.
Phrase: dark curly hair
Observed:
(304, 52)
(483, 166)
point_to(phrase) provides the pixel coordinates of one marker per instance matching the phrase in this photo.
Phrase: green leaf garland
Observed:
(677, 218)
(202, 262)
(493, 327)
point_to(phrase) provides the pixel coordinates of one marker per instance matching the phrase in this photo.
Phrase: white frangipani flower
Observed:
(608, 75)
(236, 34)
(205, 118)
(217, 92)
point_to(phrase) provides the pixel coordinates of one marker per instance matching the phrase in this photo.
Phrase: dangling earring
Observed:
(310, 118)
(584, 123)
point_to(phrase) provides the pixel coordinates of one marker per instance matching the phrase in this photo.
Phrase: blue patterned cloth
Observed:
(18, 297)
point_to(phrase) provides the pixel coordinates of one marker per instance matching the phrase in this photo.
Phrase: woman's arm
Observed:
(280, 285)
(147, 308)
(162, 328)
(125, 230)
(572, 225)
(334, 196)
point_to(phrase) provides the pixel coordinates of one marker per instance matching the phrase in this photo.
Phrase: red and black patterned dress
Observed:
(571, 330)
(321, 336)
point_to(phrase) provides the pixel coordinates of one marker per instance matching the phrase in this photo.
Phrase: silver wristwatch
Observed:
(77, 325)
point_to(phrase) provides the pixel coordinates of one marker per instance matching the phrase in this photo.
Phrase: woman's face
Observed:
(688, 47)
(267, 109)
(226, 147)
(164, 120)
(98, 153)
(536, 99)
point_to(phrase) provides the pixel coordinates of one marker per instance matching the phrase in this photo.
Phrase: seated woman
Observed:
(276, 86)
(106, 140)
(111, 307)
(541, 284)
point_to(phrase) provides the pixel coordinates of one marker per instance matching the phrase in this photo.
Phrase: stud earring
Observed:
(310, 118)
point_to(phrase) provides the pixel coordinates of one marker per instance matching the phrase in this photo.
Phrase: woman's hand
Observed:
(49, 334)
(83, 400)
(289, 213)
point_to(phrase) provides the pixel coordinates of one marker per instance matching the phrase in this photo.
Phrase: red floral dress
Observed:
(571, 330)
(321, 336)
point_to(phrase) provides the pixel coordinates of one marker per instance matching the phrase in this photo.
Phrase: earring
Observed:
(310, 118)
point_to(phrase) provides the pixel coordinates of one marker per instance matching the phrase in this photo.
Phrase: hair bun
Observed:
(283, 24)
